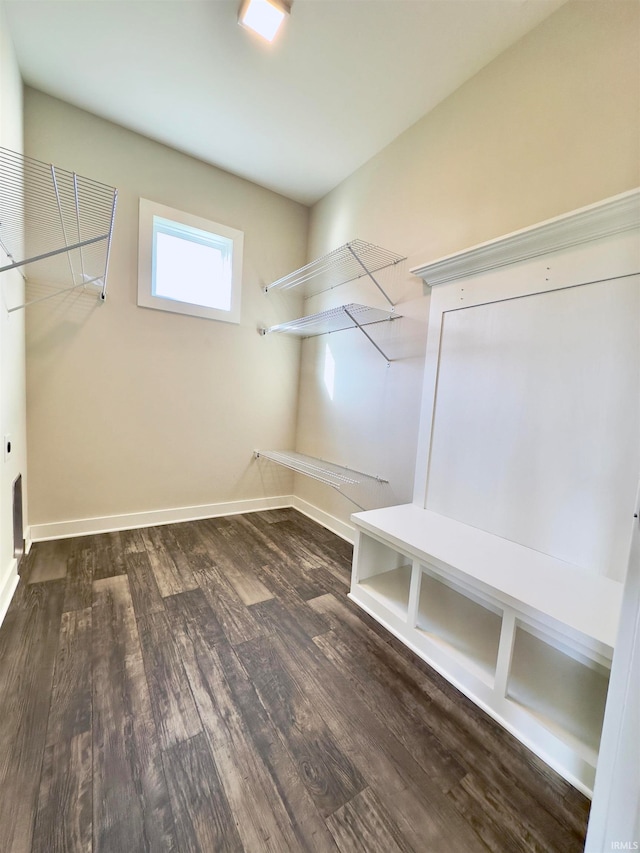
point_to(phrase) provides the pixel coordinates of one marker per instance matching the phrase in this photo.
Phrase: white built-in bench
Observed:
(527, 637)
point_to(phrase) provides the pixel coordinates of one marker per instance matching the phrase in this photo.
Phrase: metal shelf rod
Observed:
(46, 213)
(367, 336)
(108, 252)
(371, 276)
(62, 225)
(53, 252)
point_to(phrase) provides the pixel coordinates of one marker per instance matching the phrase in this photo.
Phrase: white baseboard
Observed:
(129, 521)
(340, 528)
(8, 587)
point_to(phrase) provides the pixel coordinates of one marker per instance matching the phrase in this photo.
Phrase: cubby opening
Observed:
(562, 690)
(387, 576)
(463, 625)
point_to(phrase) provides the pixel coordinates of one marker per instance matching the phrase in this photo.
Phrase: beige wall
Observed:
(133, 409)
(12, 383)
(551, 125)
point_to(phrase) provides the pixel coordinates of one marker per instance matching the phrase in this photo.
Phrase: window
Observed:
(187, 264)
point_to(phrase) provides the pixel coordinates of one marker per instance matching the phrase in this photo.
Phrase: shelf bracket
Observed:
(371, 276)
(64, 220)
(367, 336)
(51, 254)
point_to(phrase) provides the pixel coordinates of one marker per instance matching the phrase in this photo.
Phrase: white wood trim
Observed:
(505, 651)
(146, 299)
(414, 593)
(617, 257)
(8, 587)
(603, 219)
(544, 744)
(615, 815)
(583, 606)
(130, 521)
(335, 525)
(572, 758)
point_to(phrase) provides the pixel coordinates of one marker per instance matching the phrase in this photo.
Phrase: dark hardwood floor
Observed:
(208, 687)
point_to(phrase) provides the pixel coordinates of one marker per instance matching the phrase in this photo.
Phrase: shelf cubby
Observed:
(564, 694)
(469, 604)
(386, 576)
(462, 625)
(391, 588)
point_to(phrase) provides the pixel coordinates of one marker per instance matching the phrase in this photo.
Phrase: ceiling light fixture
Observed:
(263, 16)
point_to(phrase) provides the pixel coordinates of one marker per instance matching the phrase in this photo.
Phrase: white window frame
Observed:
(147, 299)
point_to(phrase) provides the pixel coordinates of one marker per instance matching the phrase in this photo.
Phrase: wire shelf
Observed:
(55, 223)
(347, 263)
(351, 316)
(338, 319)
(345, 480)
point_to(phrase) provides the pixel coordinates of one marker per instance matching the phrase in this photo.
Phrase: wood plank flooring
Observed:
(208, 687)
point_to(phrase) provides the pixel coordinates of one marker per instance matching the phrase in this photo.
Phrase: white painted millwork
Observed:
(484, 614)
(151, 518)
(525, 396)
(174, 515)
(593, 222)
(615, 812)
(506, 572)
(9, 583)
(517, 575)
(215, 232)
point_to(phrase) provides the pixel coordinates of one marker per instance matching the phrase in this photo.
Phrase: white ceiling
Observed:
(342, 79)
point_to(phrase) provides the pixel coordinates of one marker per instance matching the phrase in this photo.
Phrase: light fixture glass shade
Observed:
(263, 17)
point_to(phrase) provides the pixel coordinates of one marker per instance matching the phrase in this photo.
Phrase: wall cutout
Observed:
(18, 528)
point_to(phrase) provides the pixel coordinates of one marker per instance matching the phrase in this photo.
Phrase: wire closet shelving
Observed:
(354, 485)
(346, 263)
(350, 262)
(55, 224)
(351, 316)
